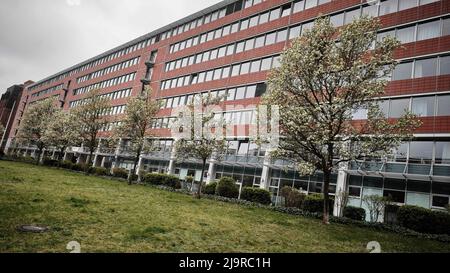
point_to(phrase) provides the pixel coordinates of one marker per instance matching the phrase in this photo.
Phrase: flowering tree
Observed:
(139, 114)
(202, 133)
(62, 131)
(92, 116)
(320, 83)
(35, 123)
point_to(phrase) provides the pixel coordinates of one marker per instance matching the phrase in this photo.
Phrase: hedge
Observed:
(354, 213)
(227, 188)
(100, 171)
(424, 220)
(120, 173)
(293, 198)
(210, 188)
(314, 203)
(256, 195)
(50, 162)
(159, 179)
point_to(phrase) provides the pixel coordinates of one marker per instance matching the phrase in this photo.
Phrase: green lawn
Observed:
(110, 216)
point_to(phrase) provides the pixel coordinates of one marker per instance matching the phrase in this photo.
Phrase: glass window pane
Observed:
(240, 47)
(310, 4)
(244, 24)
(270, 38)
(421, 152)
(253, 21)
(294, 32)
(240, 93)
(282, 35)
(406, 4)
(446, 27)
(275, 14)
(259, 42)
(255, 66)
(337, 20)
(245, 67)
(402, 71)
(264, 18)
(249, 44)
(429, 30)
(443, 105)
(406, 35)
(251, 92)
(235, 70)
(298, 6)
(388, 6)
(398, 108)
(423, 106)
(350, 16)
(442, 152)
(425, 68)
(231, 94)
(444, 64)
(266, 64)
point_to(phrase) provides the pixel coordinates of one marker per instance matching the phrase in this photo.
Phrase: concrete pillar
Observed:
(265, 175)
(66, 156)
(94, 162)
(115, 163)
(53, 154)
(172, 162)
(42, 155)
(341, 187)
(102, 164)
(212, 169)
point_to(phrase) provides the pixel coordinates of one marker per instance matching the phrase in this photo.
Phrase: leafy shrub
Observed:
(314, 203)
(66, 165)
(210, 188)
(354, 213)
(293, 198)
(80, 167)
(120, 173)
(100, 171)
(50, 162)
(256, 195)
(227, 188)
(424, 220)
(159, 179)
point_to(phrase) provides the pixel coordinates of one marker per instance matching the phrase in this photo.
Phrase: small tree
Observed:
(92, 116)
(62, 131)
(319, 85)
(199, 142)
(35, 122)
(139, 114)
(376, 205)
(341, 199)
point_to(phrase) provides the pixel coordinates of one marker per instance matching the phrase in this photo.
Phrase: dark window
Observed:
(395, 196)
(440, 201)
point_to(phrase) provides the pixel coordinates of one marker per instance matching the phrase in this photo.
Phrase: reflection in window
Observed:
(398, 108)
(402, 71)
(421, 152)
(444, 105)
(423, 106)
(425, 68)
(429, 30)
(442, 153)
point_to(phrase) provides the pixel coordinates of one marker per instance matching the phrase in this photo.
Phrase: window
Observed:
(294, 32)
(230, 50)
(299, 6)
(395, 196)
(244, 24)
(406, 4)
(234, 27)
(371, 10)
(337, 20)
(421, 152)
(209, 76)
(249, 44)
(274, 14)
(428, 30)
(444, 65)
(443, 105)
(398, 108)
(254, 21)
(425, 68)
(240, 93)
(226, 72)
(222, 52)
(440, 201)
(446, 27)
(226, 30)
(235, 70)
(442, 153)
(214, 54)
(270, 38)
(310, 4)
(406, 35)
(402, 71)
(240, 47)
(259, 42)
(282, 35)
(264, 18)
(388, 6)
(251, 92)
(255, 66)
(352, 15)
(245, 68)
(423, 106)
(231, 94)
(266, 64)
(218, 33)
(286, 10)
(217, 74)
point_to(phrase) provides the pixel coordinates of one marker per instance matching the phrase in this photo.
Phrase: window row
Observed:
(109, 69)
(110, 96)
(243, 24)
(110, 126)
(423, 106)
(236, 93)
(419, 68)
(105, 84)
(423, 152)
(210, 17)
(419, 32)
(238, 47)
(223, 72)
(115, 110)
(48, 91)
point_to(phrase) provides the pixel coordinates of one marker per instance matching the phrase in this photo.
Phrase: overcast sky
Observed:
(40, 38)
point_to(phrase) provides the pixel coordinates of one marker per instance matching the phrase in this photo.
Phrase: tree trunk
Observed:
(199, 191)
(326, 199)
(135, 163)
(61, 154)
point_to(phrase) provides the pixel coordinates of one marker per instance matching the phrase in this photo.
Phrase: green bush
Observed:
(293, 198)
(256, 195)
(50, 162)
(227, 188)
(159, 179)
(354, 213)
(210, 188)
(66, 165)
(120, 173)
(314, 203)
(80, 167)
(424, 220)
(100, 171)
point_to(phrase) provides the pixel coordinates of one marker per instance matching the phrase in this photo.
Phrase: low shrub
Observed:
(50, 162)
(210, 188)
(314, 203)
(256, 195)
(159, 179)
(293, 198)
(80, 167)
(354, 213)
(227, 188)
(66, 164)
(100, 171)
(120, 173)
(424, 220)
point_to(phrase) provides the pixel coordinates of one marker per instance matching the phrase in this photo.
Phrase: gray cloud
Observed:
(40, 38)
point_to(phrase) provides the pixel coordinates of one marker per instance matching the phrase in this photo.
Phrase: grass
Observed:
(110, 216)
